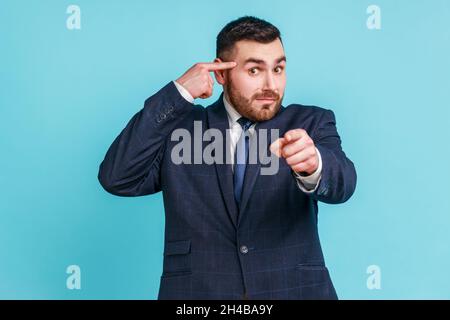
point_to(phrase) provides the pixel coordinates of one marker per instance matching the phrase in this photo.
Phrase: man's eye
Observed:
(280, 69)
(253, 71)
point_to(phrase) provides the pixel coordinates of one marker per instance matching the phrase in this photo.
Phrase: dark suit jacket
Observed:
(270, 249)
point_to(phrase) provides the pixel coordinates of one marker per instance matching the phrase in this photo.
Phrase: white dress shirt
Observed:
(307, 184)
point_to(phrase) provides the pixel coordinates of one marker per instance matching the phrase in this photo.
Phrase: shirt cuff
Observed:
(186, 95)
(310, 183)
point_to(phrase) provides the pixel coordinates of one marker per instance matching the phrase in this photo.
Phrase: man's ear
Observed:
(220, 74)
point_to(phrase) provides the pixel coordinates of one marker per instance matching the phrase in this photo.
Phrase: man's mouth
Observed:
(266, 99)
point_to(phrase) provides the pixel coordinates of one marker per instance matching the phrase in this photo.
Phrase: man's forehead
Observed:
(260, 53)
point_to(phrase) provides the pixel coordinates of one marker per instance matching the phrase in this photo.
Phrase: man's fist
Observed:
(299, 151)
(198, 81)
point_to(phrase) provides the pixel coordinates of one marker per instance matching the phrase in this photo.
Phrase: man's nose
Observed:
(269, 83)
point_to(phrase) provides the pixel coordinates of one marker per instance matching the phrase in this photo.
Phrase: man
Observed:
(232, 232)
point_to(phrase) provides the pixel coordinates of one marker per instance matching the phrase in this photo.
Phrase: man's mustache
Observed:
(269, 95)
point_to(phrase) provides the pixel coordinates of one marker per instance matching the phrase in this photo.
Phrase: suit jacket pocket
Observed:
(315, 282)
(312, 266)
(177, 257)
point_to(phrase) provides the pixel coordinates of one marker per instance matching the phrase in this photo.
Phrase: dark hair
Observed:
(245, 28)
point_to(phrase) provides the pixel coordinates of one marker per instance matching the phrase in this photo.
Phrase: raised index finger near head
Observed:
(213, 66)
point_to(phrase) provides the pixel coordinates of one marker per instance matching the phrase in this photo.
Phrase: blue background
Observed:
(66, 94)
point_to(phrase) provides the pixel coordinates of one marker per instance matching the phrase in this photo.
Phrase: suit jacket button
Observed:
(244, 249)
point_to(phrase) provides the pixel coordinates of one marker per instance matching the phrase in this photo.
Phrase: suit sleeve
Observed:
(131, 166)
(338, 181)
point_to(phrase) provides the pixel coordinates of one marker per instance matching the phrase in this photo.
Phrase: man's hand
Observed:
(299, 151)
(198, 81)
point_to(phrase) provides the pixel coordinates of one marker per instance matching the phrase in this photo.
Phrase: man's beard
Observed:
(262, 112)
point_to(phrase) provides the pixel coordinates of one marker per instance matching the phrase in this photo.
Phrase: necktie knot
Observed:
(245, 123)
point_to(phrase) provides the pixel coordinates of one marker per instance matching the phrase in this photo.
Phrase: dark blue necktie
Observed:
(241, 159)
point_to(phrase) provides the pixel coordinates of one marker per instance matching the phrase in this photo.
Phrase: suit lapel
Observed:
(252, 171)
(217, 118)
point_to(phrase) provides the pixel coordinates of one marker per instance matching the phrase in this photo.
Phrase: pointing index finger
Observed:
(220, 65)
(295, 134)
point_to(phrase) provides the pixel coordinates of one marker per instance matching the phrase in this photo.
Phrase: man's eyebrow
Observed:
(259, 61)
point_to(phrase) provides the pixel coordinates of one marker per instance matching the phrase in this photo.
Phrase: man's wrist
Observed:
(184, 92)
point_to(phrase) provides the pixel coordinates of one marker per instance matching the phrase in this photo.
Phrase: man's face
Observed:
(255, 87)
